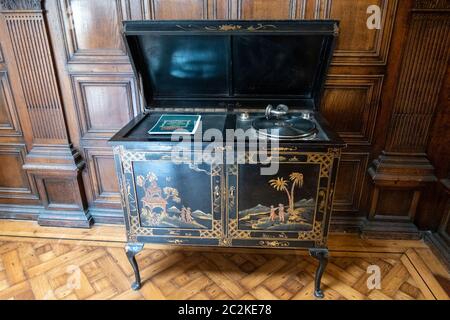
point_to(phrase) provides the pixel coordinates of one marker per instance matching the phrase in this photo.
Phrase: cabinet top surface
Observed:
(134, 134)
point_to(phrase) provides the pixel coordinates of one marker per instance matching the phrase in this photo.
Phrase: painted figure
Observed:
(281, 212)
(183, 214)
(188, 215)
(273, 213)
(282, 185)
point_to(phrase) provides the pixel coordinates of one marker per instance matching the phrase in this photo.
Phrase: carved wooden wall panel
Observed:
(441, 238)
(16, 187)
(403, 175)
(179, 9)
(357, 44)
(86, 25)
(351, 106)
(14, 182)
(27, 32)
(9, 122)
(50, 153)
(104, 104)
(57, 191)
(349, 188)
(260, 9)
(420, 82)
(105, 191)
(134, 9)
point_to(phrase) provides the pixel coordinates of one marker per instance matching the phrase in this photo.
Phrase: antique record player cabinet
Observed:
(263, 78)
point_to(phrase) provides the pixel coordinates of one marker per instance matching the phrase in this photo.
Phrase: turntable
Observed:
(277, 124)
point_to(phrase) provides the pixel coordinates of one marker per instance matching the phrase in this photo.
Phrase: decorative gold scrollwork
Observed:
(274, 243)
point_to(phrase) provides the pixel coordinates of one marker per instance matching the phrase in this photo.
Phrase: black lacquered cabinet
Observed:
(218, 192)
(227, 204)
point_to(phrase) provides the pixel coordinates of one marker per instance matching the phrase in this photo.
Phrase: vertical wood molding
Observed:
(440, 240)
(423, 70)
(37, 75)
(51, 161)
(403, 169)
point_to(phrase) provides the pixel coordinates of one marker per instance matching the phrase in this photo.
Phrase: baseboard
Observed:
(346, 224)
(19, 212)
(439, 246)
(390, 230)
(107, 216)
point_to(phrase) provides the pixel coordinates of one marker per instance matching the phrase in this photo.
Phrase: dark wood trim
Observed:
(440, 246)
(50, 154)
(19, 212)
(403, 167)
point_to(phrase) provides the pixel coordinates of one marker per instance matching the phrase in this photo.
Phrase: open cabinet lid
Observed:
(231, 63)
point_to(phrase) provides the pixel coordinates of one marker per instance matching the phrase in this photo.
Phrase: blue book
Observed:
(179, 123)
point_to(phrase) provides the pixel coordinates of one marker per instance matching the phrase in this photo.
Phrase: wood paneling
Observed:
(25, 37)
(104, 104)
(394, 203)
(261, 9)
(351, 105)
(420, 82)
(357, 44)
(30, 45)
(58, 192)
(14, 182)
(134, 9)
(350, 182)
(220, 9)
(441, 239)
(104, 185)
(9, 123)
(403, 174)
(86, 23)
(178, 9)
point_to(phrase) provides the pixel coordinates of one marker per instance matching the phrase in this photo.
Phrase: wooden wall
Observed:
(67, 86)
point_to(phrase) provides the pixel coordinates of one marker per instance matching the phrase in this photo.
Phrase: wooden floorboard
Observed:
(53, 263)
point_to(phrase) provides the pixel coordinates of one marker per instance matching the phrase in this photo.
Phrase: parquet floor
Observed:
(35, 265)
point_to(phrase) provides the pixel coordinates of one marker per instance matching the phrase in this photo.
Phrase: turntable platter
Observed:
(285, 127)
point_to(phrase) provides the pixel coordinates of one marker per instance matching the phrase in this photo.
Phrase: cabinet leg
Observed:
(132, 249)
(322, 256)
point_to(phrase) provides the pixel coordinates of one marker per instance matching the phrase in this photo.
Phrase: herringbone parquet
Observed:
(46, 269)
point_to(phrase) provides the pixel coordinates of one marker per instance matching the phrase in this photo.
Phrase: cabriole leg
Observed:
(322, 256)
(132, 249)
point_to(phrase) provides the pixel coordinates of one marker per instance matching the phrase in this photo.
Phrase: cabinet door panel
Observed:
(286, 209)
(172, 202)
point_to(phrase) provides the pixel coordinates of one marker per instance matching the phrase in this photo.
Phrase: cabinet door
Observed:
(287, 209)
(171, 202)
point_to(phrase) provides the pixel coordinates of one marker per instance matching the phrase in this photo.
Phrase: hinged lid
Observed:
(237, 63)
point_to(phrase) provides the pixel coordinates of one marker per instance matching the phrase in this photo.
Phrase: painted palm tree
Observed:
(297, 181)
(280, 184)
